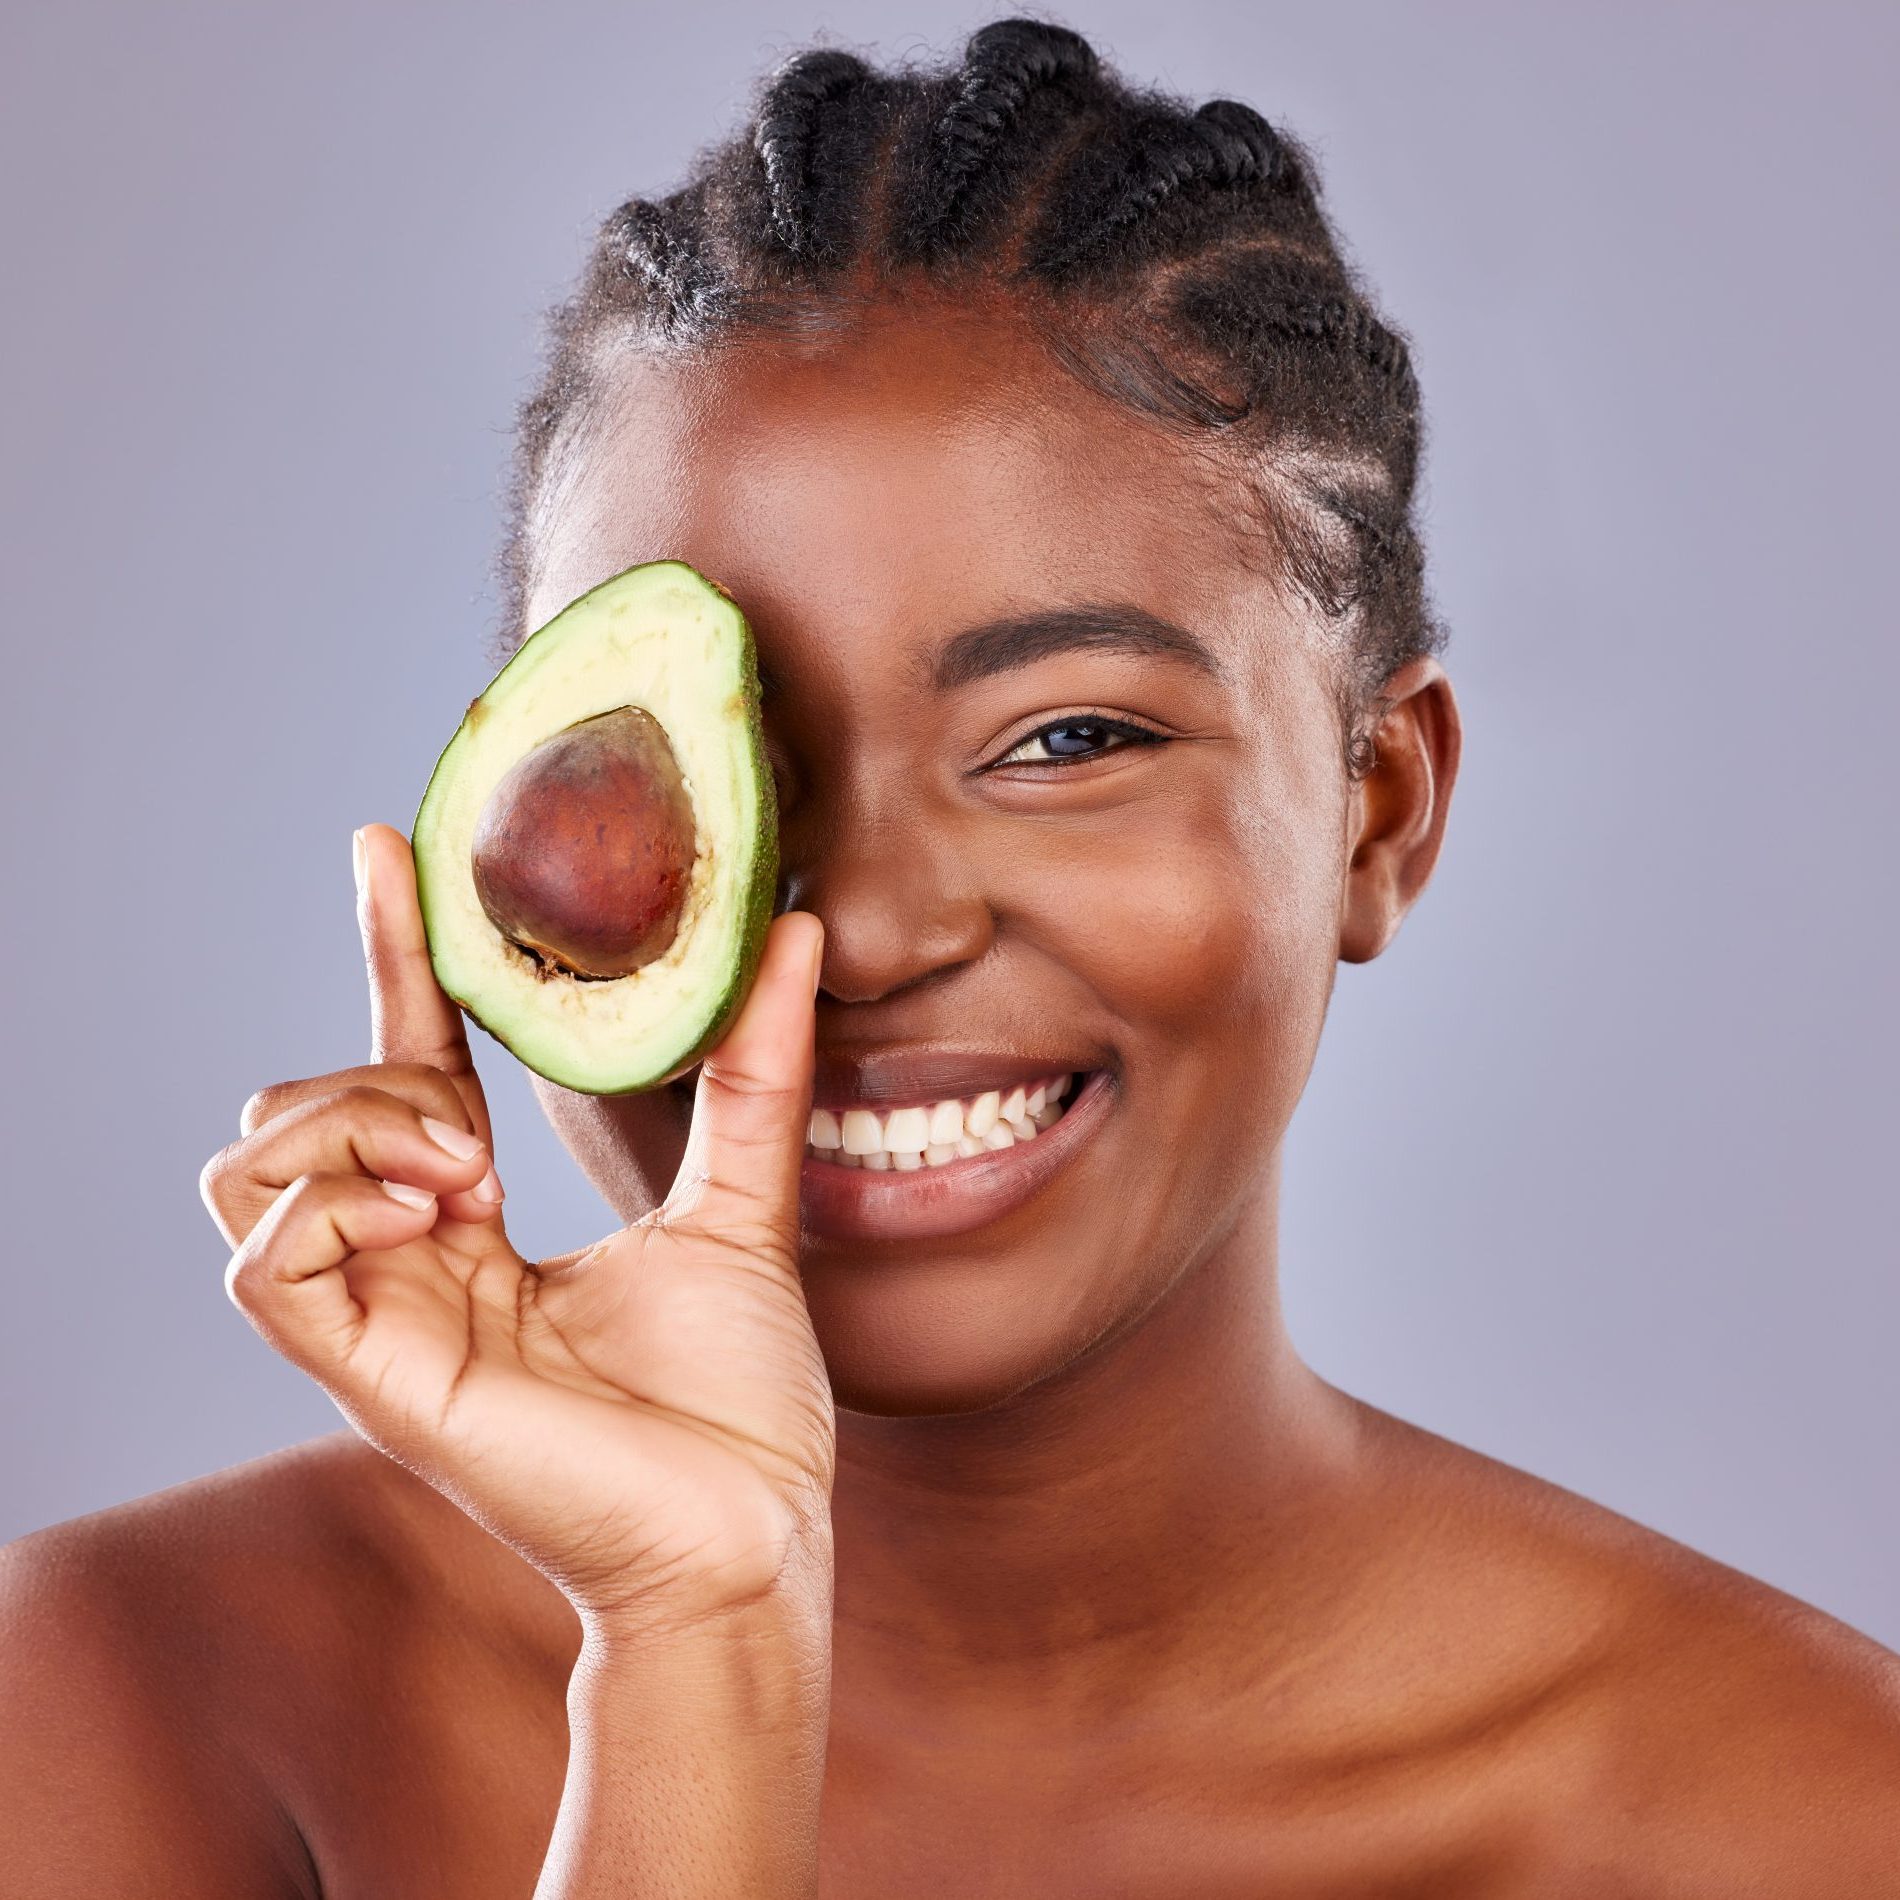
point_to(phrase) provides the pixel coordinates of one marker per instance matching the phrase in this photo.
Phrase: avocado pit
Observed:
(583, 853)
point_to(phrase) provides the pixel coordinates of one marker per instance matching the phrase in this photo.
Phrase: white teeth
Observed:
(907, 1139)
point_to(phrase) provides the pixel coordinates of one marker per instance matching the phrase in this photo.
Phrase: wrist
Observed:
(696, 1755)
(793, 1606)
(737, 1638)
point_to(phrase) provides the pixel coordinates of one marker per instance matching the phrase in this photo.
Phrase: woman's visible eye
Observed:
(1071, 741)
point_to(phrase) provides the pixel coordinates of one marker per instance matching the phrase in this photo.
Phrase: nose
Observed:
(900, 904)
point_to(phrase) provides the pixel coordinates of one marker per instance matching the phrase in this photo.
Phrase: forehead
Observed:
(918, 468)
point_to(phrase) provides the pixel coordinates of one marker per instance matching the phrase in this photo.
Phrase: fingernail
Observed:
(817, 963)
(409, 1196)
(456, 1141)
(359, 863)
(488, 1189)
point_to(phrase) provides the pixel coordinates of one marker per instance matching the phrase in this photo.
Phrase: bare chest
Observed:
(444, 1777)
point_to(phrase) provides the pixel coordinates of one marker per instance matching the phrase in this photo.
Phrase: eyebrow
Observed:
(1022, 639)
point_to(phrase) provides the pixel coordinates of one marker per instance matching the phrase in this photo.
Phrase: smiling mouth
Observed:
(935, 1134)
(898, 1192)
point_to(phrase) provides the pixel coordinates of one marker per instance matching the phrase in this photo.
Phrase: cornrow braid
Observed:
(983, 129)
(1265, 150)
(796, 119)
(1174, 256)
(659, 248)
(1116, 189)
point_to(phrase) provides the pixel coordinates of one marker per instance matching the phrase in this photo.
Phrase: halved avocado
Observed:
(597, 850)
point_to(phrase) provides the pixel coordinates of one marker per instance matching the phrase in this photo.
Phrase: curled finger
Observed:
(287, 1276)
(360, 1130)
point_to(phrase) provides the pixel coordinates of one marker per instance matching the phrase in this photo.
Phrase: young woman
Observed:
(966, 1526)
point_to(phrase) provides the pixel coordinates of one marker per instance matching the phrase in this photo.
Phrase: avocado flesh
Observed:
(661, 638)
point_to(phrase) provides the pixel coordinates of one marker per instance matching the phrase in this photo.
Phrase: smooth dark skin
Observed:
(1129, 1601)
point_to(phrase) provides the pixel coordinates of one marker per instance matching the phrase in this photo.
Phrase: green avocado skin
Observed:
(760, 893)
(701, 1029)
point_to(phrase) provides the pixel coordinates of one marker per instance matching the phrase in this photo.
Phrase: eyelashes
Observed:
(1075, 741)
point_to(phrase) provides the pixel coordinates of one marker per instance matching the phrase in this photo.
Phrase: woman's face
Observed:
(944, 544)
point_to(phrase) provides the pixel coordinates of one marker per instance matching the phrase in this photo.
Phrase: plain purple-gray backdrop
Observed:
(1595, 1169)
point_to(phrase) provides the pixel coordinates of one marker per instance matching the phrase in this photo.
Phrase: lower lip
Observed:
(923, 1203)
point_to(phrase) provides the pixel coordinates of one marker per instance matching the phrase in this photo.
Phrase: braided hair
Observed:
(1175, 257)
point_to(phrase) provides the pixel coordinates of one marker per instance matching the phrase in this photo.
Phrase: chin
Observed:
(917, 1339)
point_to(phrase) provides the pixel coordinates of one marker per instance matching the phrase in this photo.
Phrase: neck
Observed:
(1174, 1488)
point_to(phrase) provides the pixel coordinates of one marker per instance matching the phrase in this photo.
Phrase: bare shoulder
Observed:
(1745, 1739)
(1707, 1732)
(212, 1577)
(124, 1664)
(303, 1569)
(190, 1644)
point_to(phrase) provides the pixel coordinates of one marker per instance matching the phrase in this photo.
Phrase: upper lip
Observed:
(896, 1078)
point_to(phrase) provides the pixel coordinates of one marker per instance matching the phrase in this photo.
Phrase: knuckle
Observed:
(261, 1107)
(240, 1279)
(746, 1084)
(212, 1175)
(249, 1272)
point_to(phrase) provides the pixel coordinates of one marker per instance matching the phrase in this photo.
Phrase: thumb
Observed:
(752, 1105)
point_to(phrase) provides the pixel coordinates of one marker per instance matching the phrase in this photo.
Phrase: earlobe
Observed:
(1396, 814)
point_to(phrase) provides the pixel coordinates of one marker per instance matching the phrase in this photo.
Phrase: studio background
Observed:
(1594, 1173)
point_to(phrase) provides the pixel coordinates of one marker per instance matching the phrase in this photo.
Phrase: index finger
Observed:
(410, 1018)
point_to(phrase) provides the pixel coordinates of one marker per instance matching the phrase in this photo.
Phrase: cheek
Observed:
(1207, 922)
(628, 1146)
(1198, 932)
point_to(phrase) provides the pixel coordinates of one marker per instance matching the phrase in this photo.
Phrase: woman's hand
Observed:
(647, 1422)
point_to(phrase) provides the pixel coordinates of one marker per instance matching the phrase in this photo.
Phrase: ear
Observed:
(1396, 814)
